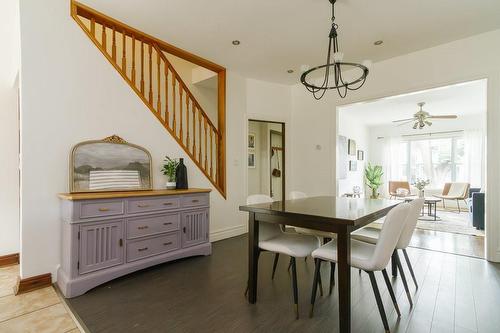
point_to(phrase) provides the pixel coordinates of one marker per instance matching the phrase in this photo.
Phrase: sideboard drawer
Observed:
(152, 246)
(151, 225)
(101, 208)
(195, 201)
(153, 204)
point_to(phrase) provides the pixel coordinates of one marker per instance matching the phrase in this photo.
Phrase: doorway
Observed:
(426, 142)
(266, 156)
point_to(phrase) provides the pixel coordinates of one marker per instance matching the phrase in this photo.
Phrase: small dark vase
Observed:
(181, 178)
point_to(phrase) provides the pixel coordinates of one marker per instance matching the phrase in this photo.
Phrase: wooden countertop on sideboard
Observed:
(128, 194)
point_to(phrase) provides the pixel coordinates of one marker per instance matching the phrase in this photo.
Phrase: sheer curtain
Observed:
(391, 161)
(474, 158)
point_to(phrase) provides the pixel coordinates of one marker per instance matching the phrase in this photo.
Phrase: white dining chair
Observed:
(372, 235)
(324, 235)
(273, 239)
(368, 257)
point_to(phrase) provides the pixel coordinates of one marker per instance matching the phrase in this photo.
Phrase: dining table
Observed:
(339, 215)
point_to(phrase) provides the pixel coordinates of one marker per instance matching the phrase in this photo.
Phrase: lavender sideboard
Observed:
(109, 234)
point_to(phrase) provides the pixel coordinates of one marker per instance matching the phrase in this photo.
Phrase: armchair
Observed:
(395, 185)
(454, 191)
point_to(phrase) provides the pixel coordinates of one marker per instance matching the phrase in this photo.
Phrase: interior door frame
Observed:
(271, 132)
(283, 144)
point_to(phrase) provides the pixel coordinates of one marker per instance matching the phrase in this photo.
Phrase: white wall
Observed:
(71, 93)
(9, 137)
(353, 127)
(458, 61)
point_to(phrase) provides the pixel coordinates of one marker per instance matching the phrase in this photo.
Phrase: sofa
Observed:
(476, 207)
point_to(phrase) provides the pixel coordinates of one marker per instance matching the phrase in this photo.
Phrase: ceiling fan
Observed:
(422, 118)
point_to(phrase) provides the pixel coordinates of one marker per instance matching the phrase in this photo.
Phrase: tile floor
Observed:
(40, 311)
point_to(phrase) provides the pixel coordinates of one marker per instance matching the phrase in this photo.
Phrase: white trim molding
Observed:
(228, 232)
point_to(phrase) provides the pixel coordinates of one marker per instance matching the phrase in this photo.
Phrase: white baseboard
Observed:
(228, 232)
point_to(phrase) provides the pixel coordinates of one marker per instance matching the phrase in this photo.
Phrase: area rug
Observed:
(451, 221)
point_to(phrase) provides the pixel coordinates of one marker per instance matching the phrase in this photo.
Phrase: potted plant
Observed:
(168, 169)
(420, 184)
(373, 179)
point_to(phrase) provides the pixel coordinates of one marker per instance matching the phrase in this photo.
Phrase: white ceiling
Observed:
(460, 99)
(277, 35)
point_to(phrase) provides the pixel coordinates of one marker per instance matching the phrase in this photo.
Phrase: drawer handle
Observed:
(195, 200)
(142, 227)
(143, 206)
(167, 243)
(167, 204)
(104, 209)
(142, 249)
(167, 223)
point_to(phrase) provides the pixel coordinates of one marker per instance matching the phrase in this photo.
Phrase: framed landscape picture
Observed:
(110, 164)
(361, 155)
(251, 141)
(351, 147)
(251, 160)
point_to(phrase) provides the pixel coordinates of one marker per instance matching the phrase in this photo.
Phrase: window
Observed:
(440, 160)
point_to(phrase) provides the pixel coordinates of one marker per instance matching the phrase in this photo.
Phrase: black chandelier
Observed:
(334, 61)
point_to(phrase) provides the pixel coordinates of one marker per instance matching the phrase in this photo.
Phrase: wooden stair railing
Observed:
(141, 61)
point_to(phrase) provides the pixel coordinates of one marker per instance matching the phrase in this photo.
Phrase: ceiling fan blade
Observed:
(443, 117)
(405, 123)
(400, 120)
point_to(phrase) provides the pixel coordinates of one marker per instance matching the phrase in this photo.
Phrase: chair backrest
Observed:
(410, 223)
(394, 185)
(457, 190)
(297, 195)
(266, 230)
(389, 236)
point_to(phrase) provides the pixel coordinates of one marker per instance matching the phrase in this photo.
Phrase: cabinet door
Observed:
(194, 227)
(101, 246)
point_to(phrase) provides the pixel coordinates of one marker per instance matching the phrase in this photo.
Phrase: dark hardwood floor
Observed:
(205, 294)
(466, 245)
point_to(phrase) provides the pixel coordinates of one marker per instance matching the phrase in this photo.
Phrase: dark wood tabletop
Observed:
(324, 212)
(338, 215)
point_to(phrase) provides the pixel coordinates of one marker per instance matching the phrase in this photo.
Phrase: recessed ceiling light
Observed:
(236, 42)
(378, 42)
(290, 71)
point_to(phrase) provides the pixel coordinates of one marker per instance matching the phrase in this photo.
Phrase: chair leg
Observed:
(444, 205)
(275, 263)
(294, 286)
(290, 264)
(391, 291)
(320, 283)
(380, 305)
(403, 278)
(458, 206)
(408, 262)
(332, 276)
(314, 288)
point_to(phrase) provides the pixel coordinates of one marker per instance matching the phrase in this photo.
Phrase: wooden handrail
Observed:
(100, 18)
(184, 86)
(199, 147)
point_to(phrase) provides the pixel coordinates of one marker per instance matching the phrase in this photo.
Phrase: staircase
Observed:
(142, 62)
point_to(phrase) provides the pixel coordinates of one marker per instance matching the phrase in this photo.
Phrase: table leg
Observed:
(394, 264)
(253, 257)
(435, 211)
(344, 280)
